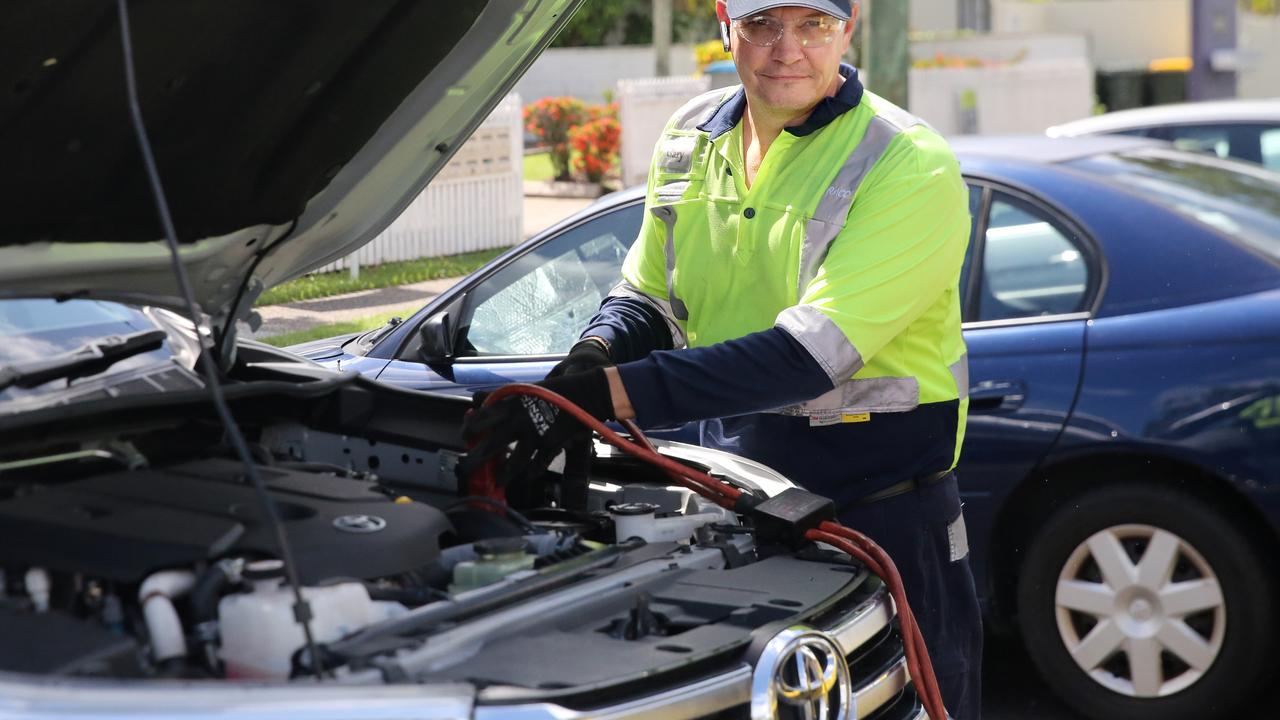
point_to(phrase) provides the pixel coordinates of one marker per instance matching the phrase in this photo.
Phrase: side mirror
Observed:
(437, 338)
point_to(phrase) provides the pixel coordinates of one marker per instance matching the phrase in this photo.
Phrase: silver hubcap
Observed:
(1140, 611)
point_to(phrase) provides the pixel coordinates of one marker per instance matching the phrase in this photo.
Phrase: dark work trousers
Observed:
(923, 531)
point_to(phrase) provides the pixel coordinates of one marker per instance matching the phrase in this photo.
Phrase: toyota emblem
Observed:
(360, 524)
(802, 673)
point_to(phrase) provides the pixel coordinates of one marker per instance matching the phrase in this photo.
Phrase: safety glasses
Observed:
(811, 31)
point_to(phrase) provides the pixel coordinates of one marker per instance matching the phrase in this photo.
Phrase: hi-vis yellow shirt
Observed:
(850, 238)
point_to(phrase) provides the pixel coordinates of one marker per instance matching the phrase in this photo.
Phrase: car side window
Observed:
(1214, 140)
(1269, 143)
(1137, 132)
(539, 303)
(1241, 141)
(975, 215)
(1030, 267)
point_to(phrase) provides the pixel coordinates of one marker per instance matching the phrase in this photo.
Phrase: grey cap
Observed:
(836, 8)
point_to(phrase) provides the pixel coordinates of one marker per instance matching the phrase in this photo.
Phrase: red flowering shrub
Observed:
(595, 146)
(550, 120)
(579, 137)
(597, 112)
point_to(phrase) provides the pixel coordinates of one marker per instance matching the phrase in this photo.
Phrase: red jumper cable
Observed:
(847, 540)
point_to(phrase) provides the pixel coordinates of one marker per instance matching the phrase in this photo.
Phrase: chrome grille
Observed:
(881, 681)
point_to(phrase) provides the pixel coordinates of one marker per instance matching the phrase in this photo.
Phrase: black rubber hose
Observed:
(206, 592)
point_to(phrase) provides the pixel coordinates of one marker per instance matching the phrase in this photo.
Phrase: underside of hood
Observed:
(287, 134)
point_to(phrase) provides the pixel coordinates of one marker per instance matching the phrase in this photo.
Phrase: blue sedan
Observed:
(1121, 470)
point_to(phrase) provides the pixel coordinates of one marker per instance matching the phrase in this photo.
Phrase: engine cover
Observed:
(122, 526)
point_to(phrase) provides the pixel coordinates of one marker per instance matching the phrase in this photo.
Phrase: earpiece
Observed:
(722, 14)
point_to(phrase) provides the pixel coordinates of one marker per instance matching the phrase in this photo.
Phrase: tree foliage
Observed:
(630, 22)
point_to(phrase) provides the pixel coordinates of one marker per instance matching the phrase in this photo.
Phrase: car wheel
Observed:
(1139, 601)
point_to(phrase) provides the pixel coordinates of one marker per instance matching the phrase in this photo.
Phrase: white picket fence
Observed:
(644, 106)
(476, 202)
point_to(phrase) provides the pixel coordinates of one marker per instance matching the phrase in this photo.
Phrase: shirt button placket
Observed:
(746, 246)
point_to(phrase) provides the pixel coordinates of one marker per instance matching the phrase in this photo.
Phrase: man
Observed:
(795, 287)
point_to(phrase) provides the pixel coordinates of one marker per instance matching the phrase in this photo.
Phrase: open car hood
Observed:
(286, 134)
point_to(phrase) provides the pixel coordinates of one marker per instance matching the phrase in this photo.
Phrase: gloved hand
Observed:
(539, 429)
(586, 354)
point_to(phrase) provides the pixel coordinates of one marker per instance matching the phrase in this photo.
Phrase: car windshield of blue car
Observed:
(1241, 201)
(34, 329)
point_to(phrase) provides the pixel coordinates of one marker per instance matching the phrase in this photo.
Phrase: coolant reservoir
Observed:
(260, 634)
(499, 557)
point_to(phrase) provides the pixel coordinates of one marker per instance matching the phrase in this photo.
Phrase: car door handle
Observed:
(991, 395)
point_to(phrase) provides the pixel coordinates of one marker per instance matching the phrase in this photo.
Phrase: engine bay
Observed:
(144, 553)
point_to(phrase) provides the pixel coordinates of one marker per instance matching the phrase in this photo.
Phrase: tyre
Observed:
(1137, 601)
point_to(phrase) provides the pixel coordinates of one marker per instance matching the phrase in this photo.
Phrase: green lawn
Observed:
(538, 167)
(320, 332)
(320, 285)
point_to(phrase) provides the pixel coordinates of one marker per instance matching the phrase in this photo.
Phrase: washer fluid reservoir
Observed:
(260, 634)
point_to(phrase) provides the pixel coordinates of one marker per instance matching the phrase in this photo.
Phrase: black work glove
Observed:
(539, 429)
(587, 354)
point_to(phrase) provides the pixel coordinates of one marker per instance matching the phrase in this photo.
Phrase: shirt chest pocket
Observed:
(678, 167)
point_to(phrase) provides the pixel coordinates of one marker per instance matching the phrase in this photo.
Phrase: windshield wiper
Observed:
(87, 359)
(372, 337)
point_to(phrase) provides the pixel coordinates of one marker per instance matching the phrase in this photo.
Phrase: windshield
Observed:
(1240, 201)
(37, 328)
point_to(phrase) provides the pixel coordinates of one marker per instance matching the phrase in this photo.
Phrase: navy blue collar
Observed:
(827, 109)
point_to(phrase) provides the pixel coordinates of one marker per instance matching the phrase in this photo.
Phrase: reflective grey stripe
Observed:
(840, 359)
(867, 395)
(900, 118)
(833, 209)
(667, 215)
(699, 109)
(672, 191)
(624, 289)
(861, 395)
(960, 371)
(825, 341)
(884, 394)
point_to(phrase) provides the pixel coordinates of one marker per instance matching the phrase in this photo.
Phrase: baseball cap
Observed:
(836, 8)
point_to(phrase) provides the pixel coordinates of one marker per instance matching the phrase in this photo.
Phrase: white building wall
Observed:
(1123, 34)
(1022, 98)
(1259, 42)
(1021, 47)
(1045, 79)
(933, 15)
(586, 73)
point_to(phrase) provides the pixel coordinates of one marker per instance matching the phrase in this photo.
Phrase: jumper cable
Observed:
(847, 540)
